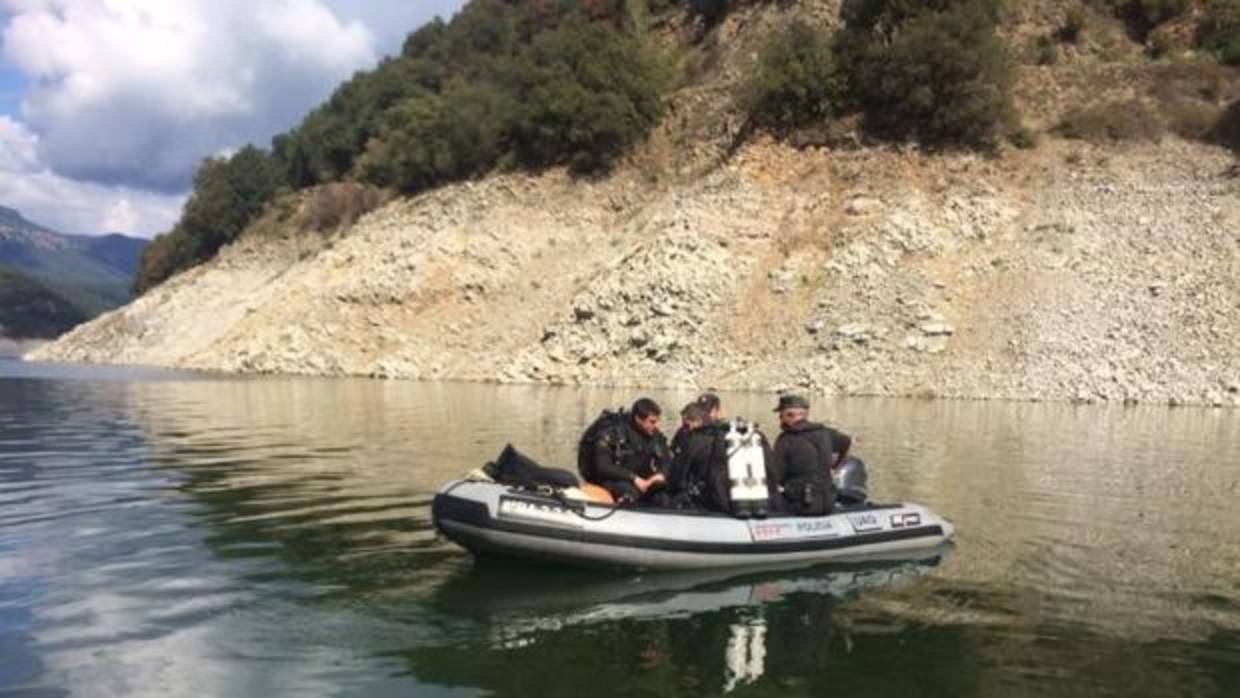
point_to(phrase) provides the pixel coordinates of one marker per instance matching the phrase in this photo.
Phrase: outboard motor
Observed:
(746, 470)
(851, 481)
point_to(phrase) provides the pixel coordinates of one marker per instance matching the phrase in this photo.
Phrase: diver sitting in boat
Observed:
(698, 452)
(720, 466)
(707, 408)
(626, 454)
(806, 454)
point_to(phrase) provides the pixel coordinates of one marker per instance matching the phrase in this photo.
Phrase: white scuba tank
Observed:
(746, 469)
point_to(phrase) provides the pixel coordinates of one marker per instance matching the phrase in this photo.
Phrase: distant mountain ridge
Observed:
(87, 274)
(29, 309)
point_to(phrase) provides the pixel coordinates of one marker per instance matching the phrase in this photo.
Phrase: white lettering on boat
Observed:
(544, 512)
(792, 530)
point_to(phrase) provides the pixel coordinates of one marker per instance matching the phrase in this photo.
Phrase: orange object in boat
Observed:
(597, 494)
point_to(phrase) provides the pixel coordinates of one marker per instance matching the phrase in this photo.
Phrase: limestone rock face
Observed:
(1035, 279)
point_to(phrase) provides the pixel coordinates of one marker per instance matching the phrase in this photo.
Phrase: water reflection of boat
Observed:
(523, 598)
(522, 606)
(490, 518)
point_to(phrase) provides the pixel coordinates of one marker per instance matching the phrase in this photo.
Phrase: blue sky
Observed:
(107, 106)
(12, 82)
(12, 87)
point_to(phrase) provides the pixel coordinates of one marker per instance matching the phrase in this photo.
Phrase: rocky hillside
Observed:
(1068, 271)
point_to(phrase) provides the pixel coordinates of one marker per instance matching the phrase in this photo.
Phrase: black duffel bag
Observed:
(519, 470)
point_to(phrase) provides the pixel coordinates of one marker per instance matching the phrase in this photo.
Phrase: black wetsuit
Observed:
(804, 455)
(618, 452)
(699, 472)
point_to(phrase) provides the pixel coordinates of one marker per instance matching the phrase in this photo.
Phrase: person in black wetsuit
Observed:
(805, 453)
(699, 461)
(625, 453)
(705, 408)
(713, 405)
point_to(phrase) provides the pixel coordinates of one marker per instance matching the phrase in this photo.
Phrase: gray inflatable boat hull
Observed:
(488, 518)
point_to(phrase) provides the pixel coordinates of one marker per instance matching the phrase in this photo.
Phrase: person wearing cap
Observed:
(804, 455)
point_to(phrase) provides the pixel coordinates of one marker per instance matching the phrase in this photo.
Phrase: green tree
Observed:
(583, 93)
(935, 71)
(436, 138)
(796, 82)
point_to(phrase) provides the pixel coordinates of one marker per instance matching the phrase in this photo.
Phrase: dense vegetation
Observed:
(797, 82)
(932, 71)
(1220, 30)
(506, 83)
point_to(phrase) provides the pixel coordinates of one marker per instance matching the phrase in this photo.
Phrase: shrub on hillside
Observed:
(1155, 12)
(166, 254)
(581, 95)
(334, 206)
(1220, 30)
(1129, 120)
(435, 138)
(1142, 16)
(1076, 19)
(1046, 50)
(934, 71)
(796, 82)
(1226, 131)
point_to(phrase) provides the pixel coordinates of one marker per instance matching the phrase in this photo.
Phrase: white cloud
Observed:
(19, 148)
(139, 91)
(73, 206)
(126, 97)
(120, 216)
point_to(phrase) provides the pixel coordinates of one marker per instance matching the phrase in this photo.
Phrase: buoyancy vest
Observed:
(608, 428)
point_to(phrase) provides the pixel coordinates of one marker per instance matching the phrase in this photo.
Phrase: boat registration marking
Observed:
(905, 520)
(513, 508)
(864, 523)
(792, 530)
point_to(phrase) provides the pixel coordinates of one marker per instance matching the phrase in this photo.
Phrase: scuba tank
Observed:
(747, 490)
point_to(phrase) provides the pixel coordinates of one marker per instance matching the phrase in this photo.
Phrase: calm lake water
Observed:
(165, 534)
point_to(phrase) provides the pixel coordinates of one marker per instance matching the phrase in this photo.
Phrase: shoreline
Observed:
(207, 373)
(18, 348)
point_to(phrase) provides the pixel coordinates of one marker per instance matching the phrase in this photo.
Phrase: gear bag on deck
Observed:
(517, 469)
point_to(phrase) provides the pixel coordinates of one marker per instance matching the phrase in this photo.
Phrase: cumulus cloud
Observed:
(126, 97)
(137, 92)
(71, 206)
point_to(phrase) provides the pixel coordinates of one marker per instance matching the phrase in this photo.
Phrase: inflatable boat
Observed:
(498, 519)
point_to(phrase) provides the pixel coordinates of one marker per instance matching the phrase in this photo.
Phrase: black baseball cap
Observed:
(790, 401)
